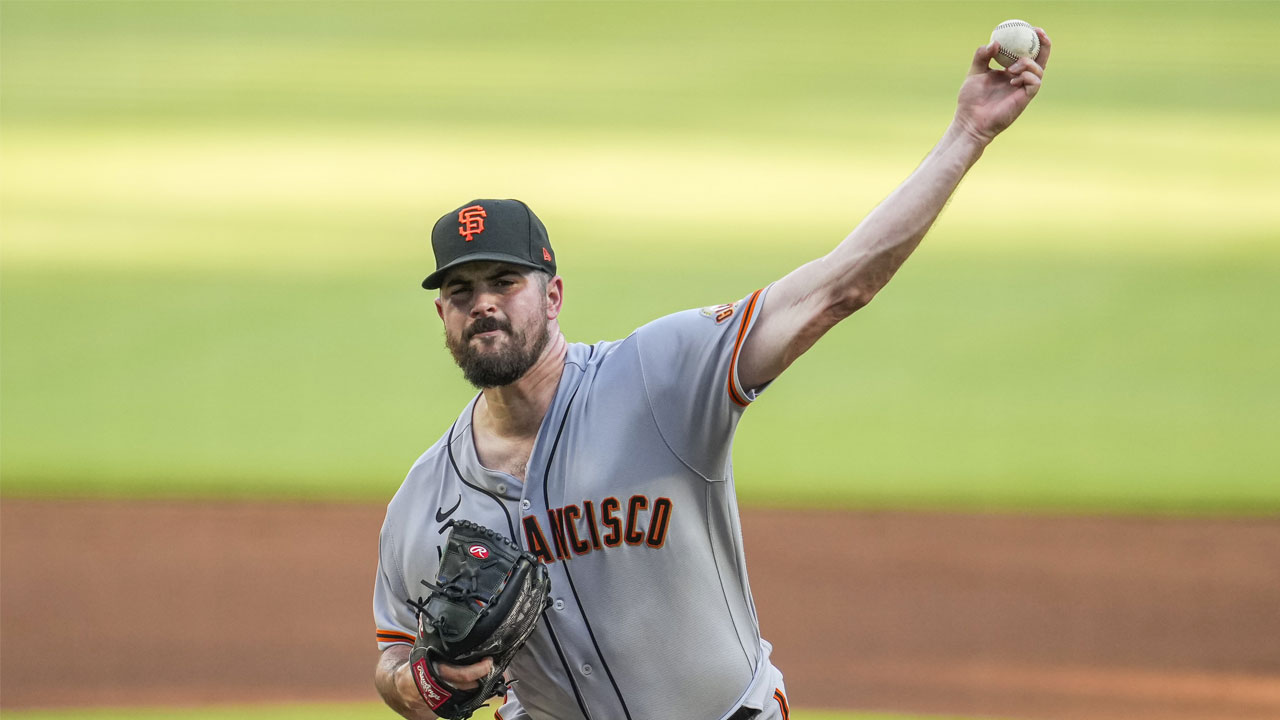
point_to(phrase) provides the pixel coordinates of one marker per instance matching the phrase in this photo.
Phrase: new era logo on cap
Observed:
(493, 230)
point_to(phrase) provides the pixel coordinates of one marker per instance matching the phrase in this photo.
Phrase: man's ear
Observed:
(555, 297)
(440, 308)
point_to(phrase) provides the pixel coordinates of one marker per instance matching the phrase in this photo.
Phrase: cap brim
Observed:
(433, 281)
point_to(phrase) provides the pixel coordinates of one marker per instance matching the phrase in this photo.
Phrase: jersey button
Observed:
(559, 604)
(586, 669)
(502, 487)
(525, 504)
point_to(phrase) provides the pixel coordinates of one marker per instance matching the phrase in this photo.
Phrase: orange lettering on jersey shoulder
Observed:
(720, 313)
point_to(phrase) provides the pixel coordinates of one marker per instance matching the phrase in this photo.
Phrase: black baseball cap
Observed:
(497, 230)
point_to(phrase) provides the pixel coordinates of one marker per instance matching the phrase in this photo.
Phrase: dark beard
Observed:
(495, 369)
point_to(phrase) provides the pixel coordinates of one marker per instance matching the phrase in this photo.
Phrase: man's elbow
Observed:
(847, 302)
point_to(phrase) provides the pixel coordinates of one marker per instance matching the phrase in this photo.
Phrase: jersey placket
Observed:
(570, 628)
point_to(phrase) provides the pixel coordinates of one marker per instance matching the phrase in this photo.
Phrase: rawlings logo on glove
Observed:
(431, 692)
(486, 602)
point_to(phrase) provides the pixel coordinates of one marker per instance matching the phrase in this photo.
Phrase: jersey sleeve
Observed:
(689, 362)
(394, 620)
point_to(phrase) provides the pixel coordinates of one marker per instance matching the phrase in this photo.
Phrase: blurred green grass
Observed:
(654, 67)
(215, 218)
(1060, 384)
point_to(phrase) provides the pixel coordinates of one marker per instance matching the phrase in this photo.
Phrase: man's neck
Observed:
(515, 411)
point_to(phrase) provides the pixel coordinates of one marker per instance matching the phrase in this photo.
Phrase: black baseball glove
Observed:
(486, 602)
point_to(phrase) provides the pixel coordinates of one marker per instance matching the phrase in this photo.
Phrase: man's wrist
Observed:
(963, 142)
(403, 696)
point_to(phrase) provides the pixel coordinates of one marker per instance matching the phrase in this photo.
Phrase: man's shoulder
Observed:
(435, 455)
(693, 325)
(425, 474)
(585, 355)
(681, 325)
(670, 331)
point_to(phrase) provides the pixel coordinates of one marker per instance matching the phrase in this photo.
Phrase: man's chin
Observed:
(483, 373)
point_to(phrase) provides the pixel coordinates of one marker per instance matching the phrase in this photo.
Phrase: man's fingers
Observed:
(1026, 65)
(1045, 46)
(982, 58)
(1028, 81)
(465, 677)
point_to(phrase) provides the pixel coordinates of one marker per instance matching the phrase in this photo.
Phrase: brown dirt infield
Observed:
(135, 603)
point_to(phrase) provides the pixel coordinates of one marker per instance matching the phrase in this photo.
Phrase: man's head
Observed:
(498, 318)
(499, 296)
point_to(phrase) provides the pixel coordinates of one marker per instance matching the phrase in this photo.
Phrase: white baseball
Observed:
(1017, 40)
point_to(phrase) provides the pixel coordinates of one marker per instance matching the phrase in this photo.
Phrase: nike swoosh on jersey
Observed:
(441, 515)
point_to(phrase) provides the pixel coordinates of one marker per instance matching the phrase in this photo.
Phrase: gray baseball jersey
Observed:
(629, 500)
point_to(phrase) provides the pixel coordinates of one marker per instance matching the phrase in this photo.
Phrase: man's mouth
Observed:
(486, 329)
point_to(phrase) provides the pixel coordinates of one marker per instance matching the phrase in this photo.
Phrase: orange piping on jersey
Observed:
(782, 704)
(737, 345)
(393, 636)
(497, 713)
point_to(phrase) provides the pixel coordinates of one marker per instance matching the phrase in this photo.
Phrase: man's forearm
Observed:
(810, 300)
(385, 680)
(864, 261)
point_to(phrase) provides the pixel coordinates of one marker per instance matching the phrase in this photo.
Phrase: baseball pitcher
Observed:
(572, 544)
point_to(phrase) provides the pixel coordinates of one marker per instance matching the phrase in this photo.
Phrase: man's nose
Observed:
(483, 304)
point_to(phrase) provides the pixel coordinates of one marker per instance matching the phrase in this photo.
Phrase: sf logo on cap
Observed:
(471, 221)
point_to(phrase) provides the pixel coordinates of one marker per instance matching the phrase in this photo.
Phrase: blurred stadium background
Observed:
(215, 217)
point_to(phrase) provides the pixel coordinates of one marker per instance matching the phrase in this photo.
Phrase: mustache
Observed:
(487, 324)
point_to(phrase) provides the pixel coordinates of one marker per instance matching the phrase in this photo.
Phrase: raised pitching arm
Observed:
(809, 301)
